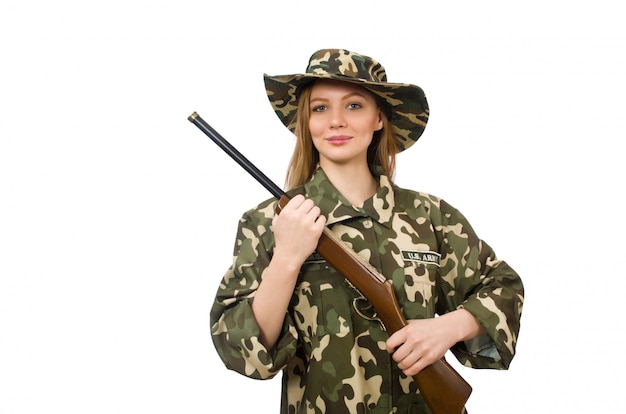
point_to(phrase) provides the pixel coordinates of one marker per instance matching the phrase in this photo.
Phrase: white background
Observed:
(118, 216)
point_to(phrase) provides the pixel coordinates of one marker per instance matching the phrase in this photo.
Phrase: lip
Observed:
(338, 139)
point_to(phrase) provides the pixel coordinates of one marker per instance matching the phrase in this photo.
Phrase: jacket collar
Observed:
(337, 208)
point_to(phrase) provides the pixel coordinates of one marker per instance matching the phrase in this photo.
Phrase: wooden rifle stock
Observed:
(443, 389)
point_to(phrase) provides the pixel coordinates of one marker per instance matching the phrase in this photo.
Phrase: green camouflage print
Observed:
(407, 103)
(331, 353)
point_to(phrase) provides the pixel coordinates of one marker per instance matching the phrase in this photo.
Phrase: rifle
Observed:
(443, 389)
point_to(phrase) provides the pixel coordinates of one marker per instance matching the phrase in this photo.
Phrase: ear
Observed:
(379, 122)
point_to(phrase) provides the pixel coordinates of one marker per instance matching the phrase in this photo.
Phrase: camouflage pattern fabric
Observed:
(406, 102)
(331, 352)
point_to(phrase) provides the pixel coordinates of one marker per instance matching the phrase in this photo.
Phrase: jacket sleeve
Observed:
(234, 330)
(473, 278)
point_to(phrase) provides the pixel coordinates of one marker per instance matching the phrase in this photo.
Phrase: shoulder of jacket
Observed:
(407, 197)
(265, 209)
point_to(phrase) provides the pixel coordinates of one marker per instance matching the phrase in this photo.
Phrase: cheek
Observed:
(316, 129)
(314, 126)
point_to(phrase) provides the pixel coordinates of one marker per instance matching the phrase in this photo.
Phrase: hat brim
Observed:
(407, 102)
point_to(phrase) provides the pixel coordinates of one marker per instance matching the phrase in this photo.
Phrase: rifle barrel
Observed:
(275, 190)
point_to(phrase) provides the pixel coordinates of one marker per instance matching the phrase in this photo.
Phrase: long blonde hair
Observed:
(382, 151)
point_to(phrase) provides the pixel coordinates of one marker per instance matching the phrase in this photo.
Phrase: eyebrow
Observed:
(348, 96)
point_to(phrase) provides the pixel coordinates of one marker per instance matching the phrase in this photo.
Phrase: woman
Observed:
(281, 308)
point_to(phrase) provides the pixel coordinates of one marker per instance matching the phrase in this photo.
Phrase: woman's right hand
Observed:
(297, 230)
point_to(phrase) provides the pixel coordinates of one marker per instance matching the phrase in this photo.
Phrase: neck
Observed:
(355, 183)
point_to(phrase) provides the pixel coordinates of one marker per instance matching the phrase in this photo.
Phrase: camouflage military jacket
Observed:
(331, 352)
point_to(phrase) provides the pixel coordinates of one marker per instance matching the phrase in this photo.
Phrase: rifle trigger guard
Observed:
(356, 304)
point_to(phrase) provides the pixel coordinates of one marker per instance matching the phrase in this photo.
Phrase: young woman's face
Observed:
(343, 119)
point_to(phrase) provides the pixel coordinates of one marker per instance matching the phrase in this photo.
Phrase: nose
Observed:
(337, 119)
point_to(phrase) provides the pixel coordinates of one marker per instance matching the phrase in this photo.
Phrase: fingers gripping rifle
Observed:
(443, 389)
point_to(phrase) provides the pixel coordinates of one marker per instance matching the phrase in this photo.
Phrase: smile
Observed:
(338, 139)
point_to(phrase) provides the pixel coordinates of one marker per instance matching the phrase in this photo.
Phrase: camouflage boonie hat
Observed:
(407, 103)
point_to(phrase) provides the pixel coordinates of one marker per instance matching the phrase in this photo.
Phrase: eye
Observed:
(354, 105)
(318, 108)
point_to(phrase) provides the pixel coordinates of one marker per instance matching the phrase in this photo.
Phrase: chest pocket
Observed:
(321, 301)
(416, 291)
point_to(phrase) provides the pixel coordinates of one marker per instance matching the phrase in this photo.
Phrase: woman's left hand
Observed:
(420, 343)
(424, 341)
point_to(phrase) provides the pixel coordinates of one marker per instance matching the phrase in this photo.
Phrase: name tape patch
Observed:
(421, 257)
